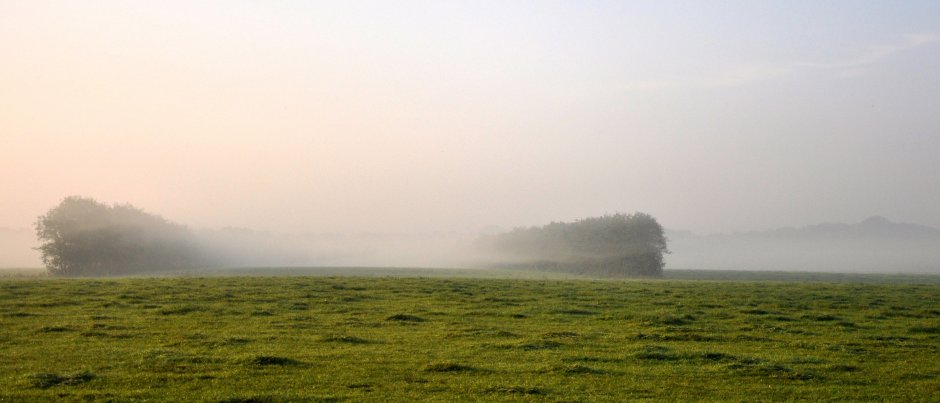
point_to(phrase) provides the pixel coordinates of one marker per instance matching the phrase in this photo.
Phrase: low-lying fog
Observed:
(247, 248)
(875, 245)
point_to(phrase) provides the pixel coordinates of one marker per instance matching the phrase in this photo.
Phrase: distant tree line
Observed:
(82, 237)
(616, 245)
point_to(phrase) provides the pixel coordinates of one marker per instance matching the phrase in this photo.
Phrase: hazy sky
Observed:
(449, 116)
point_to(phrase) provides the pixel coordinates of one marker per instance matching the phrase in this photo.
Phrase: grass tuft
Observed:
(270, 360)
(517, 390)
(55, 329)
(401, 317)
(925, 329)
(822, 318)
(717, 357)
(575, 312)
(344, 339)
(538, 345)
(656, 353)
(48, 379)
(179, 310)
(842, 368)
(253, 399)
(560, 335)
(577, 369)
(673, 320)
(591, 359)
(448, 367)
(755, 312)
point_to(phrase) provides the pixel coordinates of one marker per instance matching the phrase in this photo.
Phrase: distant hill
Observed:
(875, 244)
(875, 227)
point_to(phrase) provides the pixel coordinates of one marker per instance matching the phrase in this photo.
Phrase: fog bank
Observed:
(16, 248)
(240, 247)
(875, 245)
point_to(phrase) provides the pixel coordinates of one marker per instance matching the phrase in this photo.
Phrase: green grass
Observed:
(239, 339)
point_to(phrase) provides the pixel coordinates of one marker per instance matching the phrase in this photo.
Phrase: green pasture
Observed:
(440, 338)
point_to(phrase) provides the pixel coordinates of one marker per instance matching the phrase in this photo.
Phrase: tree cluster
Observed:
(82, 237)
(616, 245)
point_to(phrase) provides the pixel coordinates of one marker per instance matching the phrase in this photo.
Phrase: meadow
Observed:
(452, 337)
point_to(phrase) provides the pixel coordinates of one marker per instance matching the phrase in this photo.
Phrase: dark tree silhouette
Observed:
(82, 237)
(612, 245)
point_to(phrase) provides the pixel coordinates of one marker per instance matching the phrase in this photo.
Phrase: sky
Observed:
(446, 116)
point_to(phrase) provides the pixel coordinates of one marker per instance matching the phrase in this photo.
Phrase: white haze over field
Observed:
(875, 245)
(870, 246)
(246, 248)
(394, 133)
(16, 248)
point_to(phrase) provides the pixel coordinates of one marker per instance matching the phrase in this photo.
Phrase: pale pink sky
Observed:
(451, 116)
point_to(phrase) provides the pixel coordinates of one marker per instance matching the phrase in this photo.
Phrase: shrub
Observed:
(82, 237)
(615, 245)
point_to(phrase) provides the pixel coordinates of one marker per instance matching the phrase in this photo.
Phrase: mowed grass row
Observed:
(401, 339)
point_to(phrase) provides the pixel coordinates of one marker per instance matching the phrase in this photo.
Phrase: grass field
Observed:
(376, 338)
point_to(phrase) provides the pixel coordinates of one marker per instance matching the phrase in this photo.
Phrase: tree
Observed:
(82, 237)
(611, 245)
